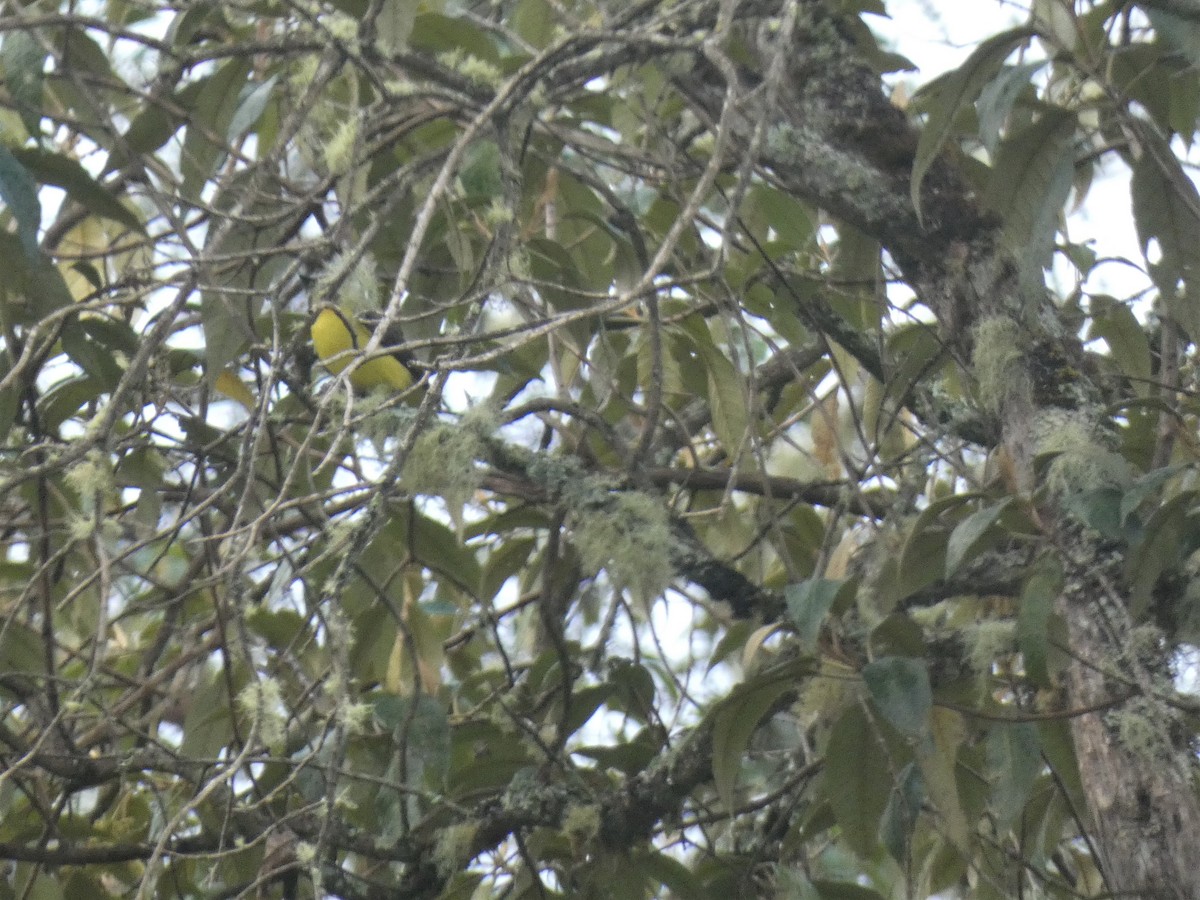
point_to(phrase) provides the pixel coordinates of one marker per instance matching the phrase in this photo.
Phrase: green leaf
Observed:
(900, 815)
(634, 689)
(1058, 751)
(968, 538)
(1184, 106)
(900, 690)
(420, 756)
(227, 331)
(844, 890)
(253, 100)
(793, 884)
(23, 61)
(65, 399)
(1179, 32)
(19, 193)
(897, 635)
(1056, 19)
(10, 397)
(43, 887)
(153, 127)
(85, 55)
(212, 111)
(584, 703)
(945, 867)
(734, 723)
(1138, 71)
(549, 261)
(632, 755)
(483, 756)
(953, 92)
(480, 178)
(111, 333)
(509, 559)
(807, 605)
(1030, 182)
(1099, 509)
(1126, 338)
(672, 874)
(1166, 210)
(279, 628)
(915, 351)
(1038, 596)
(45, 286)
(435, 33)
(534, 21)
(1145, 487)
(186, 28)
(609, 875)
(786, 216)
(1159, 550)
(22, 652)
(857, 262)
(1182, 300)
(938, 759)
(857, 779)
(731, 642)
(90, 356)
(997, 98)
(727, 400)
(422, 729)
(922, 560)
(395, 25)
(462, 886)
(208, 725)
(63, 172)
(1014, 761)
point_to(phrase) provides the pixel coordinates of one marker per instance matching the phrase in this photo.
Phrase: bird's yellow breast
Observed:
(339, 339)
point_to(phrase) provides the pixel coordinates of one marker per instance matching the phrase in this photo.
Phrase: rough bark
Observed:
(1141, 800)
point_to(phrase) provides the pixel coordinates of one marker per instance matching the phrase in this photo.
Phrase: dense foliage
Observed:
(791, 503)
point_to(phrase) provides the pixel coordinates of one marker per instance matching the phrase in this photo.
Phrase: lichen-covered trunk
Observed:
(1142, 810)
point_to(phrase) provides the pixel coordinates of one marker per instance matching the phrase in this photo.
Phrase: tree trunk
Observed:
(1141, 800)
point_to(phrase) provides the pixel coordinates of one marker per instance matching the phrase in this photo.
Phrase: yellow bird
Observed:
(339, 338)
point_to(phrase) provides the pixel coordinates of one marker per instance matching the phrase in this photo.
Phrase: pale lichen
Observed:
(453, 847)
(341, 26)
(470, 66)
(1143, 727)
(1081, 460)
(498, 212)
(630, 538)
(481, 71)
(352, 283)
(445, 460)
(339, 148)
(262, 701)
(996, 360)
(355, 716)
(989, 640)
(92, 478)
(581, 824)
